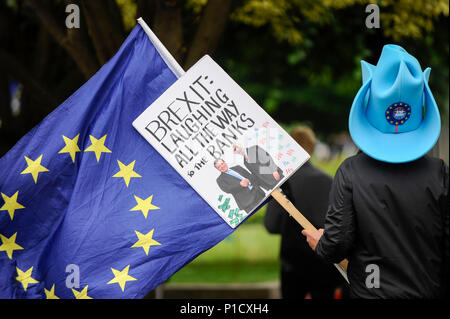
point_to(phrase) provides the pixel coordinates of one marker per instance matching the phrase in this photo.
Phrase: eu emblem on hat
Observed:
(394, 117)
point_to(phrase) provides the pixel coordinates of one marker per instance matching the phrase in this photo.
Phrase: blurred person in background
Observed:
(303, 273)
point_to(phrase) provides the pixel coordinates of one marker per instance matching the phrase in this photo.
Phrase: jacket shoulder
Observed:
(439, 166)
(438, 162)
(351, 162)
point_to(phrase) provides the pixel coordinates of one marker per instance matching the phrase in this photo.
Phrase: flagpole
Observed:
(165, 54)
(276, 194)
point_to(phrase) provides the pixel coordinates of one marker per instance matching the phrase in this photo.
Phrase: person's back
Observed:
(400, 221)
(389, 207)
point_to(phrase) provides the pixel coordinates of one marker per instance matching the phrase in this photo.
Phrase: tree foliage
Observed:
(297, 58)
(400, 18)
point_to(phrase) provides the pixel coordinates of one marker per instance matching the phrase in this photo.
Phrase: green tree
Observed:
(294, 41)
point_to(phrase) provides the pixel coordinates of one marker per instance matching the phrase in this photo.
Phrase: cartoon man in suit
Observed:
(261, 165)
(238, 182)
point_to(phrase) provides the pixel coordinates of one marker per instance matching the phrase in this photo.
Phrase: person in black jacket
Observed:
(303, 272)
(238, 182)
(389, 210)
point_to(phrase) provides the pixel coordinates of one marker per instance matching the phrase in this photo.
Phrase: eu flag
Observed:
(84, 196)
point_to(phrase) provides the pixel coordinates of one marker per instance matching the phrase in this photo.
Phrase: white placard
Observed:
(220, 141)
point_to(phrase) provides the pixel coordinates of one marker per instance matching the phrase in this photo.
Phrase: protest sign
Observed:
(220, 141)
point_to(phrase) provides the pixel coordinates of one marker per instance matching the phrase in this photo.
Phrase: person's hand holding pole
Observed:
(309, 228)
(312, 237)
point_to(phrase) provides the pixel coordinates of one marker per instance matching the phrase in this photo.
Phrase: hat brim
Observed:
(394, 147)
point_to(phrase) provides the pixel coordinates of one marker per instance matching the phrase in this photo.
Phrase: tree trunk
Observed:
(36, 102)
(76, 49)
(212, 25)
(146, 10)
(42, 54)
(5, 109)
(10, 65)
(107, 33)
(167, 26)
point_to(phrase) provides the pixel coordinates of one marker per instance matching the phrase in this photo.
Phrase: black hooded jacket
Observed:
(392, 222)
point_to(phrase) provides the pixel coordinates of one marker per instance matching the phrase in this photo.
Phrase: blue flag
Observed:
(85, 198)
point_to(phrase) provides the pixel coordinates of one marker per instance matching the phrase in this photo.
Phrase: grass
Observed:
(250, 254)
(226, 273)
(330, 167)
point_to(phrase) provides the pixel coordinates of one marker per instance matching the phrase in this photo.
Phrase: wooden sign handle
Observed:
(295, 213)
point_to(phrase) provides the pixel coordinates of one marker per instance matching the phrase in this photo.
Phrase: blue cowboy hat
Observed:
(394, 117)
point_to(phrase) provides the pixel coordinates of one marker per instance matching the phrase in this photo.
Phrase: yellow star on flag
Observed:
(81, 294)
(34, 168)
(25, 278)
(9, 245)
(145, 241)
(144, 205)
(50, 294)
(121, 277)
(98, 146)
(127, 172)
(71, 147)
(11, 204)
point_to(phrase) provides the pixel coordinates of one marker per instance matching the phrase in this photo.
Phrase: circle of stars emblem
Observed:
(398, 113)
